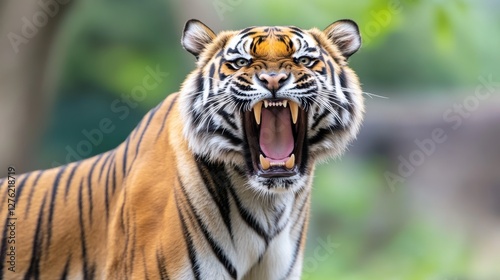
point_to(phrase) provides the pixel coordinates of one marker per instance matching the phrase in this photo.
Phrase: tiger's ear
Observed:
(345, 35)
(196, 37)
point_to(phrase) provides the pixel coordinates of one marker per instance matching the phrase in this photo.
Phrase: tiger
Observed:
(214, 182)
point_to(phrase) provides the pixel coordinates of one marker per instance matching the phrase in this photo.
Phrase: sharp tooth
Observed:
(264, 162)
(290, 163)
(256, 111)
(266, 103)
(294, 109)
(284, 103)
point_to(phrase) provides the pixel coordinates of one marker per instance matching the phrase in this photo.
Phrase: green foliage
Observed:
(354, 212)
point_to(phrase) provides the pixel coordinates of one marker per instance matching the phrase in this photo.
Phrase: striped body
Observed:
(184, 196)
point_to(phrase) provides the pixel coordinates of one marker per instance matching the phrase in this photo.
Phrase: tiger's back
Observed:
(214, 182)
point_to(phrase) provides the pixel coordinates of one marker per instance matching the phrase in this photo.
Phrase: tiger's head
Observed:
(271, 101)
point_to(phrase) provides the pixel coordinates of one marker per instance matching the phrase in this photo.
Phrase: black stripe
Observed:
(122, 211)
(311, 49)
(246, 34)
(3, 252)
(161, 262)
(104, 164)
(53, 203)
(305, 85)
(296, 29)
(86, 272)
(319, 119)
(146, 274)
(302, 207)
(211, 72)
(36, 253)
(132, 248)
(70, 178)
(114, 176)
(296, 251)
(224, 133)
(146, 125)
(303, 78)
(216, 185)
(137, 148)
(189, 243)
(230, 66)
(277, 219)
(64, 274)
(222, 76)
(89, 187)
(217, 250)
(332, 72)
(239, 171)
(125, 157)
(30, 195)
(343, 83)
(322, 72)
(228, 119)
(243, 79)
(242, 87)
(166, 115)
(342, 78)
(248, 218)
(127, 237)
(106, 188)
(22, 184)
(246, 30)
(323, 132)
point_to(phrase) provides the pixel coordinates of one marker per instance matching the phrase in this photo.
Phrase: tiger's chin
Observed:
(275, 130)
(278, 185)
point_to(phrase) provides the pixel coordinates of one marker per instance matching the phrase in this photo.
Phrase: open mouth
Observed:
(275, 131)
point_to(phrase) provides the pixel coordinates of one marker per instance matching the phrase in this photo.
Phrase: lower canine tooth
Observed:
(290, 163)
(256, 111)
(264, 162)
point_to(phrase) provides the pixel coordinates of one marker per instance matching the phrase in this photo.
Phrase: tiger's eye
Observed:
(304, 60)
(241, 62)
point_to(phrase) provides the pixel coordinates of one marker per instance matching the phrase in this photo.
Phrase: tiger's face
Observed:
(271, 101)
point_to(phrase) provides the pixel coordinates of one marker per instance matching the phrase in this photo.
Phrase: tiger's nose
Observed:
(273, 81)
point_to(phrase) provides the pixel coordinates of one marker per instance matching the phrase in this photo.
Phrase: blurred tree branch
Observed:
(25, 95)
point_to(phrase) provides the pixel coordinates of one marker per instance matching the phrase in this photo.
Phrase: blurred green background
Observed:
(441, 222)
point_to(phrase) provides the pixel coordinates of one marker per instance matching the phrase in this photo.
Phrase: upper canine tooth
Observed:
(284, 103)
(290, 163)
(266, 103)
(256, 111)
(264, 162)
(294, 109)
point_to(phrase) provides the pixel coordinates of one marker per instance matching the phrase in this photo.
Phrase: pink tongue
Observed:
(276, 138)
